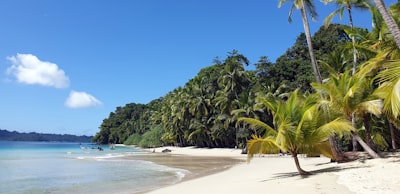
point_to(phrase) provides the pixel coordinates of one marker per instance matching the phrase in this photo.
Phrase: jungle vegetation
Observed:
(283, 105)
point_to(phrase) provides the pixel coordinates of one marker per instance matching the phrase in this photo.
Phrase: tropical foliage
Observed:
(300, 125)
(205, 110)
(283, 106)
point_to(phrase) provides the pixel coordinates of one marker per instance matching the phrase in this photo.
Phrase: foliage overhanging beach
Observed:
(334, 94)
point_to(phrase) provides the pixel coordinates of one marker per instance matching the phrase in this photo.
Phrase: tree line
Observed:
(6, 135)
(342, 73)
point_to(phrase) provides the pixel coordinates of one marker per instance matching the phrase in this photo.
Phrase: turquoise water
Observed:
(48, 167)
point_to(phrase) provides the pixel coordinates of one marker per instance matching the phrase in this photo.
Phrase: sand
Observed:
(372, 176)
(278, 174)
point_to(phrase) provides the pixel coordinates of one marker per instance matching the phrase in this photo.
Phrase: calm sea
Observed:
(49, 167)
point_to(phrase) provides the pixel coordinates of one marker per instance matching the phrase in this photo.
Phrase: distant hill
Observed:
(33, 136)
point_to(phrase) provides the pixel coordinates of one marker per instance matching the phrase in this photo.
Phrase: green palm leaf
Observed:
(258, 145)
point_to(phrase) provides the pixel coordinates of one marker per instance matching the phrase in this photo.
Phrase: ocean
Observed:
(54, 167)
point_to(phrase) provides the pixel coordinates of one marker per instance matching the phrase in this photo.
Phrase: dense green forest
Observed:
(6, 135)
(359, 85)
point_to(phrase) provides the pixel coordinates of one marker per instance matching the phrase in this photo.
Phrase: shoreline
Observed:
(197, 166)
(278, 174)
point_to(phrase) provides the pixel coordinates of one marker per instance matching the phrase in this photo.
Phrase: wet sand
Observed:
(198, 166)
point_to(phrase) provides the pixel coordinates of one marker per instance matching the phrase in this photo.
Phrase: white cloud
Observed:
(28, 69)
(81, 100)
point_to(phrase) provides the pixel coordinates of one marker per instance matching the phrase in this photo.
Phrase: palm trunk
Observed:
(390, 22)
(392, 136)
(368, 149)
(339, 157)
(368, 132)
(296, 161)
(353, 40)
(353, 139)
(306, 26)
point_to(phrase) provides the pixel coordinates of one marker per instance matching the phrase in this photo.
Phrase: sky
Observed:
(66, 64)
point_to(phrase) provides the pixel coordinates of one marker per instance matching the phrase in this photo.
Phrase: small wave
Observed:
(181, 175)
(99, 157)
(109, 156)
(179, 172)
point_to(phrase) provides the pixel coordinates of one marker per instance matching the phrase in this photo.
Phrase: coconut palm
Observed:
(384, 67)
(234, 78)
(347, 95)
(305, 6)
(389, 90)
(336, 61)
(299, 127)
(389, 20)
(175, 119)
(348, 5)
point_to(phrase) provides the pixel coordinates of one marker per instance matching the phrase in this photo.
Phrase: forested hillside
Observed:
(204, 112)
(33, 136)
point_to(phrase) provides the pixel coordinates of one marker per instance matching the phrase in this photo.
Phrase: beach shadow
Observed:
(394, 157)
(313, 173)
(321, 164)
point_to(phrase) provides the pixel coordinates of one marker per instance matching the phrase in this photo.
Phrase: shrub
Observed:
(152, 138)
(133, 139)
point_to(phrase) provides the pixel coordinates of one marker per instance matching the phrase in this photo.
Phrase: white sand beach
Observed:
(278, 174)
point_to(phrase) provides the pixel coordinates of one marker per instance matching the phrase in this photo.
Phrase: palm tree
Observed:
(175, 119)
(389, 91)
(336, 61)
(298, 128)
(306, 6)
(346, 95)
(246, 110)
(389, 20)
(199, 107)
(234, 78)
(384, 67)
(347, 4)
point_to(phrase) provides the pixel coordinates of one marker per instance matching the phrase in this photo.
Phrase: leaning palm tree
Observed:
(306, 6)
(389, 20)
(348, 5)
(347, 95)
(299, 127)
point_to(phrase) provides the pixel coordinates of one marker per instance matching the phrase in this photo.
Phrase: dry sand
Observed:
(278, 174)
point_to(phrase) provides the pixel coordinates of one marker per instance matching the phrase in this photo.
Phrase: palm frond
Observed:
(258, 145)
(390, 92)
(391, 73)
(337, 126)
(372, 106)
(255, 123)
(325, 149)
(270, 104)
(328, 18)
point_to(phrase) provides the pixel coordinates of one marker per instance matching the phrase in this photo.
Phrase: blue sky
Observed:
(65, 65)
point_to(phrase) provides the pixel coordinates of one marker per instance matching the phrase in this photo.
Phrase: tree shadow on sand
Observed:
(361, 157)
(313, 172)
